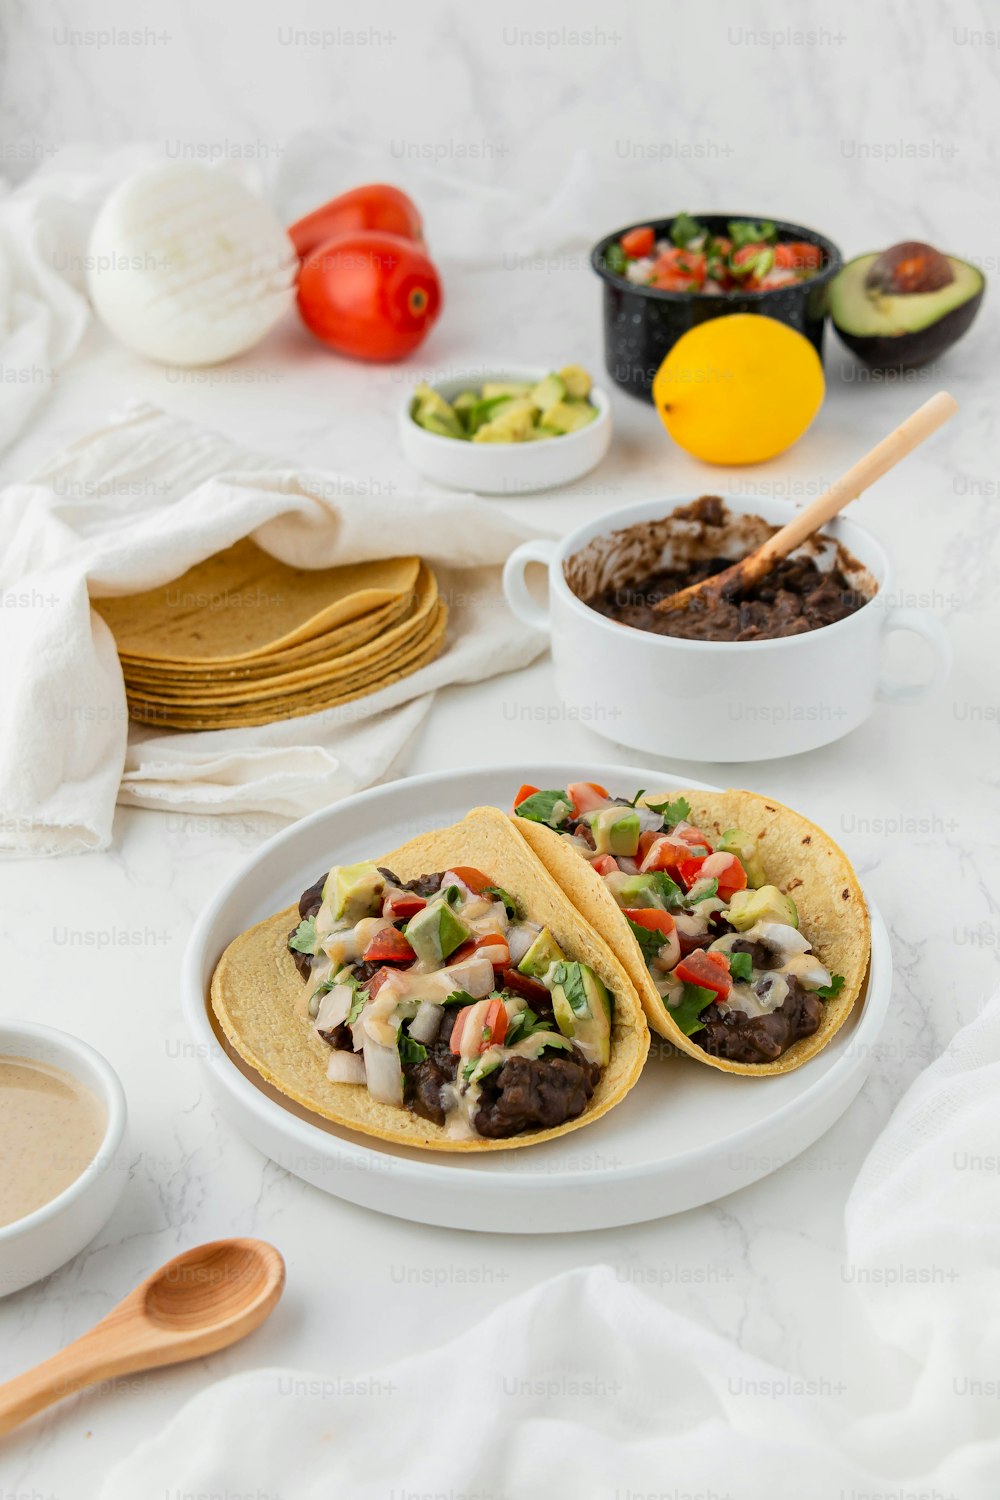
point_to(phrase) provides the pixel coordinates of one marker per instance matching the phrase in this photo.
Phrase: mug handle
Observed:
(525, 606)
(933, 632)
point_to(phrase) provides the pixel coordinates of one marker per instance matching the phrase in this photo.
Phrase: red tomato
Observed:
(662, 853)
(652, 919)
(388, 947)
(523, 985)
(750, 252)
(691, 836)
(494, 1026)
(606, 864)
(586, 796)
(797, 255)
(709, 970)
(689, 870)
(638, 241)
(679, 270)
(376, 982)
(728, 871)
(524, 793)
(500, 958)
(404, 905)
(369, 295)
(473, 878)
(375, 206)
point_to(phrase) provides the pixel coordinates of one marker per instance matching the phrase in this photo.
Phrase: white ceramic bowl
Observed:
(721, 700)
(504, 468)
(42, 1241)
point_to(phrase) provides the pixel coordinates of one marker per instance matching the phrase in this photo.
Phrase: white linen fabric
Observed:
(587, 1387)
(134, 505)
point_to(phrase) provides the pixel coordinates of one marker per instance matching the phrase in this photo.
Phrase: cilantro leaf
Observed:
(615, 259)
(459, 997)
(649, 941)
(668, 890)
(525, 1023)
(747, 232)
(829, 991)
(688, 1009)
(671, 812)
(741, 966)
(551, 808)
(684, 229)
(304, 939)
(499, 894)
(409, 1050)
(711, 888)
(357, 1006)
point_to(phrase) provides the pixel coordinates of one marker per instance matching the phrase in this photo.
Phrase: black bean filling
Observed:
(737, 1037)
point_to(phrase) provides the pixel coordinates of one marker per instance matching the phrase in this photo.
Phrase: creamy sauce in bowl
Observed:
(51, 1129)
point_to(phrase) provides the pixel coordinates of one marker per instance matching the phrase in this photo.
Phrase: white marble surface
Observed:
(686, 112)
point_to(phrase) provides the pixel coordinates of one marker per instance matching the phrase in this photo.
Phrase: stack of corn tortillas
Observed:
(243, 639)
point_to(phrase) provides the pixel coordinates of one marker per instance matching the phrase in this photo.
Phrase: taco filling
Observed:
(722, 946)
(438, 996)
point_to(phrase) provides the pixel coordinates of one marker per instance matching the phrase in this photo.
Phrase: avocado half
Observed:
(902, 331)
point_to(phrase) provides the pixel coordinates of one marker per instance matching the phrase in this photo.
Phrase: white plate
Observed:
(685, 1135)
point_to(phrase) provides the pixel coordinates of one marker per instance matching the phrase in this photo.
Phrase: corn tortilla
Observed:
(798, 857)
(256, 988)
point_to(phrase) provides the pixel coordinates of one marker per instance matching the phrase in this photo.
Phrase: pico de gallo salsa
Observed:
(722, 946)
(750, 258)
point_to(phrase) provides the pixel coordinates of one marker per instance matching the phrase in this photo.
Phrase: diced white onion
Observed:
(383, 1072)
(427, 1022)
(334, 1006)
(520, 938)
(345, 1067)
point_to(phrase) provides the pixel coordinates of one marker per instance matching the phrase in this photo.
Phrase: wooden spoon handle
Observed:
(884, 456)
(78, 1365)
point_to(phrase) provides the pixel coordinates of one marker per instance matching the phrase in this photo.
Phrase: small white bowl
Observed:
(504, 468)
(42, 1241)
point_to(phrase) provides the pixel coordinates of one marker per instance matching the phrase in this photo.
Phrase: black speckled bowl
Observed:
(641, 323)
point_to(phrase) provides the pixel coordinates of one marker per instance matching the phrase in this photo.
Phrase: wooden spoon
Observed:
(884, 456)
(197, 1303)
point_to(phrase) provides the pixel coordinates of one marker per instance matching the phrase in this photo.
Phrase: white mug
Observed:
(721, 700)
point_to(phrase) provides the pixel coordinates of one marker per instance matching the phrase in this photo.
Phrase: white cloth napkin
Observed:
(136, 504)
(586, 1387)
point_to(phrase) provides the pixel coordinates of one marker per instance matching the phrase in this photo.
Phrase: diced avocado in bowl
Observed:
(509, 411)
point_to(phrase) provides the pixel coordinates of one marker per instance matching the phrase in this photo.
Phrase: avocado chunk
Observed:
(548, 392)
(632, 890)
(511, 424)
(768, 904)
(616, 830)
(581, 1004)
(431, 411)
(576, 380)
(543, 952)
(569, 416)
(896, 311)
(354, 891)
(735, 841)
(435, 932)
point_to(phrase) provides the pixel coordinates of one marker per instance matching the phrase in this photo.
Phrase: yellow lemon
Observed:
(739, 389)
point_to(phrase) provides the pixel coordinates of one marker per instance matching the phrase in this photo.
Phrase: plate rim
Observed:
(875, 1005)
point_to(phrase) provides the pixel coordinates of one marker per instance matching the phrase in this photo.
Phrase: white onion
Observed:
(334, 1006)
(188, 266)
(627, 864)
(649, 821)
(779, 935)
(520, 938)
(427, 1022)
(383, 1072)
(345, 1067)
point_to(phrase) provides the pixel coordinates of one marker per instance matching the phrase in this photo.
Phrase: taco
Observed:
(446, 996)
(741, 925)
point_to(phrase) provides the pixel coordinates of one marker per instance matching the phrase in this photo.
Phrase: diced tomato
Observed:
(750, 252)
(691, 836)
(606, 864)
(524, 793)
(663, 853)
(492, 940)
(797, 255)
(403, 905)
(388, 947)
(473, 878)
(493, 1025)
(525, 986)
(679, 270)
(709, 970)
(587, 796)
(376, 982)
(727, 870)
(651, 918)
(638, 241)
(689, 870)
